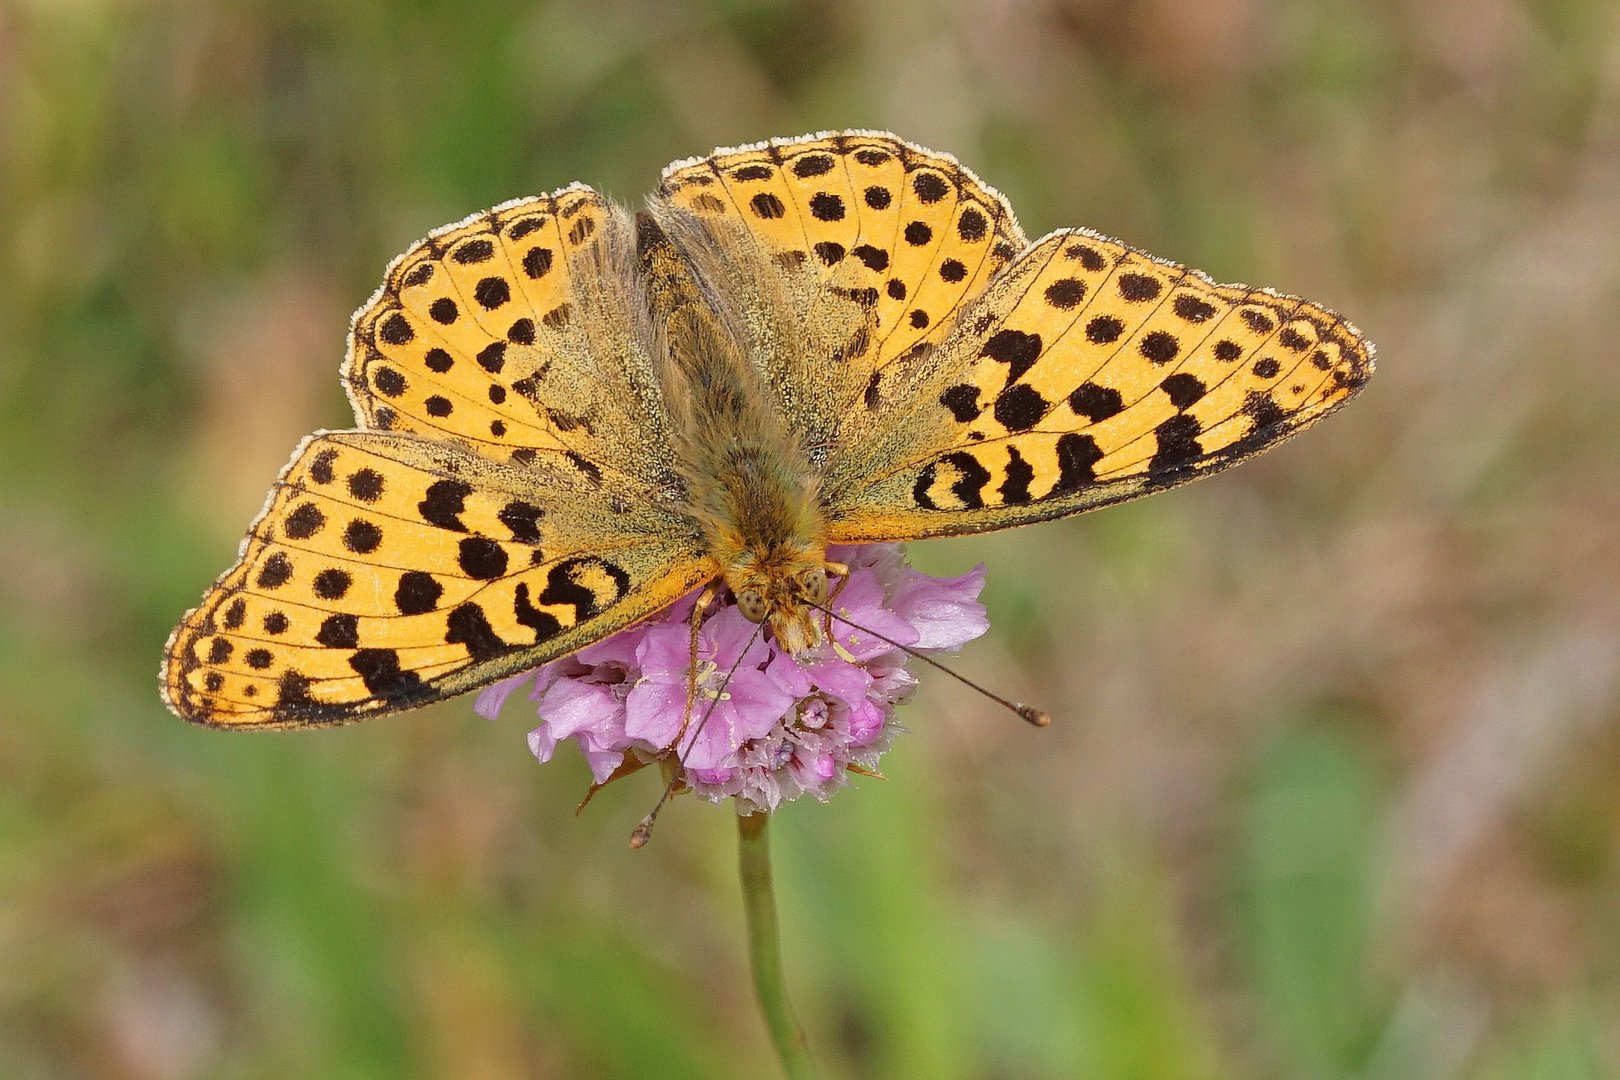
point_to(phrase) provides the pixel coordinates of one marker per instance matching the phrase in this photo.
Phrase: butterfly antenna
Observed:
(1029, 713)
(643, 831)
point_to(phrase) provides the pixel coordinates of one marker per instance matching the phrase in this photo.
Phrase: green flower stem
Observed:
(765, 945)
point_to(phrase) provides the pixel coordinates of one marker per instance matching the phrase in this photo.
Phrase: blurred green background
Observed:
(1332, 792)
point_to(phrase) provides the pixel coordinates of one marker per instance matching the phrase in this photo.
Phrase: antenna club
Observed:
(641, 833)
(1036, 717)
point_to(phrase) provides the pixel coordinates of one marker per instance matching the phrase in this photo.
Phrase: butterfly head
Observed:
(784, 593)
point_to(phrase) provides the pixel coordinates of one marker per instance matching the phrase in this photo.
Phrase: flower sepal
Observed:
(632, 764)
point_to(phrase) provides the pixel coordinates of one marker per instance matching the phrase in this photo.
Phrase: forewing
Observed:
(388, 571)
(1089, 374)
(909, 234)
(512, 332)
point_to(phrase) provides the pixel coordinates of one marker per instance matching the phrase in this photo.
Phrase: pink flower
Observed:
(781, 726)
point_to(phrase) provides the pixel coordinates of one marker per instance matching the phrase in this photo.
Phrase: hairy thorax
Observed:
(751, 491)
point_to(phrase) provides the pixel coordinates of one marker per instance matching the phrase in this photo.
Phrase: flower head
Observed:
(766, 727)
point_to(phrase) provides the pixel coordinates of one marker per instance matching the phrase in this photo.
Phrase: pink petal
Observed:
(541, 744)
(492, 697)
(865, 724)
(945, 611)
(571, 707)
(653, 711)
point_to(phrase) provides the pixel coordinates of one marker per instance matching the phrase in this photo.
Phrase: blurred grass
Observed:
(1332, 794)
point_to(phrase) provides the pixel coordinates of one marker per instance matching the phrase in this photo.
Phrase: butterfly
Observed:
(571, 414)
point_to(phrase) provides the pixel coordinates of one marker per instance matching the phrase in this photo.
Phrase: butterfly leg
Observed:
(841, 571)
(705, 598)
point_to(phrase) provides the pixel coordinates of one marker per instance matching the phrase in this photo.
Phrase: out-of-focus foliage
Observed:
(1332, 788)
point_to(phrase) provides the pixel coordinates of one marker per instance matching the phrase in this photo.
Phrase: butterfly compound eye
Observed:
(752, 604)
(814, 584)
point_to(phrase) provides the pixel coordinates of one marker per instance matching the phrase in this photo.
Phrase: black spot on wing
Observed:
(812, 165)
(767, 206)
(1269, 423)
(275, 572)
(1089, 257)
(586, 466)
(972, 226)
(444, 504)
(473, 252)
(563, 587)
(320, 470)
(420, 274)
(292, 696)
(1258, 321)
(339, 632)
(492, 357)
(1104, 330)
(1065, 293)
(366, 485)
(1178, 448)
(543, 623)
(1019, 407)
(930, 187)
(417, 593)
(1096, 402)
(481, 558)
(1192, 309)
(826, 206)
(968, 486)
(523, 226)
(537, 261)
(332, 583)
(1077, 456)
(875, 258)
(305, 521)
(1015, 488)
(1016, 349)
(389, 382)
(492, 292)
(1159, 347)
(396, 330)
(1136, 288)
(468, 625)
(523, 519)
(963, 402)
(361, 536)
(1184, 389)
(385, 679)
